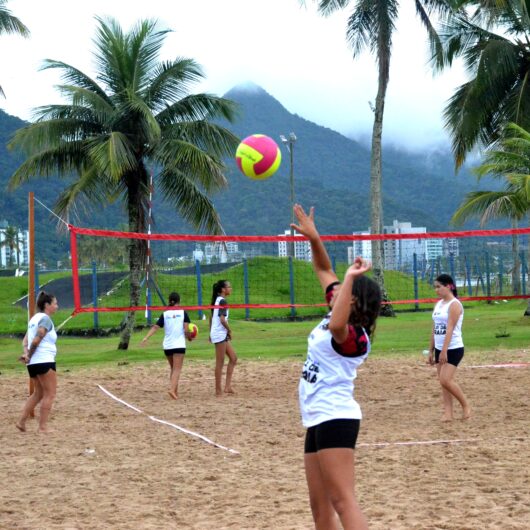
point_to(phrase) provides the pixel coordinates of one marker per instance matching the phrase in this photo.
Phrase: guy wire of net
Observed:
(272, 276)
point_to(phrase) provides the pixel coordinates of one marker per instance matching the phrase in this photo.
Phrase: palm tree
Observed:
(493, 39)
(136, 116)
(371, 26)
(11, 241)
(509, 160)
(10, 24)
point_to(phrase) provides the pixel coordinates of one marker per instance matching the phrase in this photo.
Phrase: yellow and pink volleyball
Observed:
(258, 157)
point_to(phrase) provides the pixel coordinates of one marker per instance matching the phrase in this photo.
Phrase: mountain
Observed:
(331, 172)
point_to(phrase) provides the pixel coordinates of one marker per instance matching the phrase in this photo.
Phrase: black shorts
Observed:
(40, 369)
(172, 351)
(332, 434)
(454, 356)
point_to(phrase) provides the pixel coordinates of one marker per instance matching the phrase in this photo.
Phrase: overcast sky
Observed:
(296, 55)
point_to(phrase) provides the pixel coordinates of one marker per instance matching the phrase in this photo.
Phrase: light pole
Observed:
(289, 144)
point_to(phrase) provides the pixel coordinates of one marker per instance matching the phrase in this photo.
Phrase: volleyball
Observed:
(193, 329)
(258, 157)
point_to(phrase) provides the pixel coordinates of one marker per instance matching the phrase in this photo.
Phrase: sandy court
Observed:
(106, 466)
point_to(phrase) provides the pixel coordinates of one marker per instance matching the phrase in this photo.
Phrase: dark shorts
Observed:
(332, 434)
(226, 339)
(40, 369)
(453, 356)
(172, 351)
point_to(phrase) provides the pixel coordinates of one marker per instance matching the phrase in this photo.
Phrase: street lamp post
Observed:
(289, 144)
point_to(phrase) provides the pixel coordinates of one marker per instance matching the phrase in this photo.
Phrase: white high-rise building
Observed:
(399, 253)
(19, 254)
(302, 249)
(360, 248)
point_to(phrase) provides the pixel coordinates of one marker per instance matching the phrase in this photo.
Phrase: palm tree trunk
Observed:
(376, 179)
(137, 254)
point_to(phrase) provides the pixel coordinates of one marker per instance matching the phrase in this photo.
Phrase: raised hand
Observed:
(306, 222)
(359, 267)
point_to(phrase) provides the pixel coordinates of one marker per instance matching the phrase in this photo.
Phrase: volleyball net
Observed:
(272, 276)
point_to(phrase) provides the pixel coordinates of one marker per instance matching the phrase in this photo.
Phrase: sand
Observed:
(106, 466)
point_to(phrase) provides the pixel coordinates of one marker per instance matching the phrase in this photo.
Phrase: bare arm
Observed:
(29, 349)
(338, 323)
(150, 333)
(321, 262)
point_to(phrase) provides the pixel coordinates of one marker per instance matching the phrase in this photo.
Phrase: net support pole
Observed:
(501, 267)
(291, 286)
(245, 280)
(95, 293)
(75, 270)
(199, 285)
(31, 264)
(523, 272)
(415, 272)
(488, 282)
(468, 275)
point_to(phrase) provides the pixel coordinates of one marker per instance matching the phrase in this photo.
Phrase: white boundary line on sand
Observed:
(153, 418)
(421, 442)
(500, 365)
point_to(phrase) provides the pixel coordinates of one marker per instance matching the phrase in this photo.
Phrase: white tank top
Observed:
(46, 350)
(440, 317)
(174, 336)
(218, 332)
(326, 387)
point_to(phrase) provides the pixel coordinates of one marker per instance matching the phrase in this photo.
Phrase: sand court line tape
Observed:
(191, 433)
(153, 418)
(119, 400)
(500, 365)
(420, 442)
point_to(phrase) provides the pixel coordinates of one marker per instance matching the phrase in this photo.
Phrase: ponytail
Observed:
(174, 298)
(217, 288)
(44, 298)
(447, 281)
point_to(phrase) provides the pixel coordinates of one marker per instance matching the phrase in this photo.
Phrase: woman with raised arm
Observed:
(337, 346)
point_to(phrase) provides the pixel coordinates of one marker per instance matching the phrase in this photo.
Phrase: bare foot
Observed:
(45, 431)
(447, 417)
(172, 394)
(466, 414)
(20, 427)
(218, 393)
(229, 391)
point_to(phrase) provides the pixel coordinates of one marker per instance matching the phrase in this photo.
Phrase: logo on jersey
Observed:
(310, 371)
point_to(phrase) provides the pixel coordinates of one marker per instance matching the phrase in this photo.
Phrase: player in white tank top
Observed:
(175, 322)
(221, 337)
(336, 348)
(446, 348)
(39, 357)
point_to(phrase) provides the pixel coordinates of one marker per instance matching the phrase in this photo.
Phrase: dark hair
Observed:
(174, 298)
(44, 298)
(447, 281)
(367, 304)
(217, 288)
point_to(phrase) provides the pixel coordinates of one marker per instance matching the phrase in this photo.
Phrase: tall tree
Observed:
(507, 160)
(10, 24)
(136, 116)
(492, 37)
(10, 241)
(371, 26)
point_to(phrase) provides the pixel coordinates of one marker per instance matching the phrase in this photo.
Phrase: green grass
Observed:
(405, 335)
(268, 284)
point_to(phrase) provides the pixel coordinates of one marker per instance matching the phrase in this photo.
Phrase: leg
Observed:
(447, 398)
(31, 390)
(48, 382)
(170, 391)
(323, 512)
(337, 469)
(178, 360)
(232, 361)
(30, 405)
(220, 351)
(447, 373)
